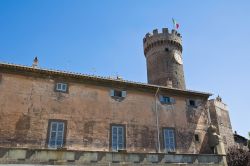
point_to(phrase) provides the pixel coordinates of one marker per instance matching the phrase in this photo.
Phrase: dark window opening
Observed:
(166, 49)
(197, 139)
(118, 93)
(192, 103)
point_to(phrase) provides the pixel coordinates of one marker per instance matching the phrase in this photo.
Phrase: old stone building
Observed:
(50, 110)
(220, 118)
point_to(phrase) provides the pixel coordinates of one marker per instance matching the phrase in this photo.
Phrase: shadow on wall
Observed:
(22, 129)
(194, 116)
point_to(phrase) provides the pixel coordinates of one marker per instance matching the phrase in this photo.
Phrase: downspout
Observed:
(157, 121)
(208, 110)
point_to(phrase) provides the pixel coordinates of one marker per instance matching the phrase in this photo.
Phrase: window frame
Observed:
(164, 142)
(111, 138)
(171, 100)
(123, 93)
(50, 121)
(197, 137)
(62, 84)
(190, 105)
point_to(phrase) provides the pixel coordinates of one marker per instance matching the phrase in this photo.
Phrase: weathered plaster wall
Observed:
(28, 102)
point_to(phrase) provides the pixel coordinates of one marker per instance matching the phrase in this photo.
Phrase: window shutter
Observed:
(172, 100)
(161, 99)
(112, 92)
(124, 93)
(197, 103)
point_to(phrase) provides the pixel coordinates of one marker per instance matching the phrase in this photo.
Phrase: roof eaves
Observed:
(94, 77)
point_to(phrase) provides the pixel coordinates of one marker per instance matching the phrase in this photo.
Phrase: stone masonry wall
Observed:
(220, 118)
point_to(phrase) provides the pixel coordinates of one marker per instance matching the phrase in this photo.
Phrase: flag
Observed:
(176, 25)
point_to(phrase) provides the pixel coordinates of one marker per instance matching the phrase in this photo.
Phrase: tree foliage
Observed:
(238, 157)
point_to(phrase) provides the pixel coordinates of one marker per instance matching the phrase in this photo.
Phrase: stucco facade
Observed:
(28, 101)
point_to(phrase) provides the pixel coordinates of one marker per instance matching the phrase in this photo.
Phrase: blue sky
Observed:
(105, 38)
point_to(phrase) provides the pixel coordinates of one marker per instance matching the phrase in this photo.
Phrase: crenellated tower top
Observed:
(159, 38)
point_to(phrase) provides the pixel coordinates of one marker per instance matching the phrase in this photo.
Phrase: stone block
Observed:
(152, 158)
(133, 158)
(17, 154)
(89, 157)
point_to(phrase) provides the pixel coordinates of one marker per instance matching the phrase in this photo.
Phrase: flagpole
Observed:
(173, 23)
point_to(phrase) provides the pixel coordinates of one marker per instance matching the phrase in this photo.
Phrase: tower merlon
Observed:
(164, 32)
(158, 38)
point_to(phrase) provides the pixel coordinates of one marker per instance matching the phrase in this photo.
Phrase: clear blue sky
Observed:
(105, 38)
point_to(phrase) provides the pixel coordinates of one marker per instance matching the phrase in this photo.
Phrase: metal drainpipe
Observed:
(157, 121)
(208, 111)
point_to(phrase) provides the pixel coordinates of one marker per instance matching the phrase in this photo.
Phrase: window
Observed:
(118, 93)
(166, 100)
(196, 137)
(169, 139)
(56, 134)
(61, 87)
(117, 137)
(192, 103)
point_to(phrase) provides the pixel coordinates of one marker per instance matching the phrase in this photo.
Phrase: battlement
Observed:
(165, 32)
(158, 38)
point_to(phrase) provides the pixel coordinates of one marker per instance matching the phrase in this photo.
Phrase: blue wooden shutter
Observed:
(112, 92)
(161, 99)
(124, 93)
(120, 138)
(172, 100)
(114, 137)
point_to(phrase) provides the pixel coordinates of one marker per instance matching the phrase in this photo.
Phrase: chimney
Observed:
(169, 83)
(218, 98)
(35, 62)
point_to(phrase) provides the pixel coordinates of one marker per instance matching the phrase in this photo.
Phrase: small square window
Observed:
(166, 99)
(61, 87)
(192, 103)
(197, 139)
(118, 93)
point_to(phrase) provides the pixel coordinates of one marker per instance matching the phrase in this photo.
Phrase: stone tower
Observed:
(163, 52)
